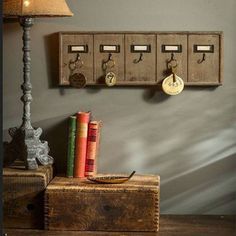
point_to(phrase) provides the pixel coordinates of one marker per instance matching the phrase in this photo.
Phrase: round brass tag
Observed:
(78, 80)
(172, 87)
(110, 79)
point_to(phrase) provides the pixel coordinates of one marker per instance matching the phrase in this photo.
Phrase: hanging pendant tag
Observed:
(110, 79)
(78, 80)
(173, 85)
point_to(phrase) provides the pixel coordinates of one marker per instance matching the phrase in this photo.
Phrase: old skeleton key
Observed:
(173, 84)
(110, 77)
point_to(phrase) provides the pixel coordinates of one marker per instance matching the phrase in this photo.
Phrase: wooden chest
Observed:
(75, 204)
(23, 196)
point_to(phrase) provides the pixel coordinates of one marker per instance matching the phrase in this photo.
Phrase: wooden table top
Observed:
(170, 225)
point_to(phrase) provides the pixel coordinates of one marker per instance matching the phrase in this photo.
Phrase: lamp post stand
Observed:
(26, 144)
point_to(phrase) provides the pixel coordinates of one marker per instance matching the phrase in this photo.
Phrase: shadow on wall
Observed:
(52, 57)
(207, 186)
(55, 133)
(155, 94)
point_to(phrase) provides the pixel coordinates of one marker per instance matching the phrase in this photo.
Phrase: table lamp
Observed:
(26, 144)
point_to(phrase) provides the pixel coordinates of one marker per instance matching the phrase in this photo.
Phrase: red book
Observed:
(92, 148)
(83, 119)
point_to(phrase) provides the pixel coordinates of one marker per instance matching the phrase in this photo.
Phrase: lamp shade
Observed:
(36, 8)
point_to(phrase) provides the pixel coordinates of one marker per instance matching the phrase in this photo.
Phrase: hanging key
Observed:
(110, 79)
(110, 76)
(173, 84)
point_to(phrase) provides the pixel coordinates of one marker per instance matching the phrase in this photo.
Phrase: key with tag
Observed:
(110, 79)
(110, 76)
(173, 84)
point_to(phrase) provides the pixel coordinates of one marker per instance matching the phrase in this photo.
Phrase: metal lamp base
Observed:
(27, 146)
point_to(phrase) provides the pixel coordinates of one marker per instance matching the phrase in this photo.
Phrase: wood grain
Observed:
(163, 58)
(23, 196)
(152, 69)
(209, 70)
(65, 40)
(145, 70)
(74, 204)
(100, 57)
(170, 225)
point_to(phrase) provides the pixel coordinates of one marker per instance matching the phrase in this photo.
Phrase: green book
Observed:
(71, 146)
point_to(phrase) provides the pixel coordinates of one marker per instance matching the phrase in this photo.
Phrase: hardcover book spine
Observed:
(81, 143)
(92, 148)
(71, 146)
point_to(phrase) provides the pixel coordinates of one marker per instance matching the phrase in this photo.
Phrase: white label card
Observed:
(140, 48)
(111, 48)
(206, 48)
(79, 48)
(171, 48)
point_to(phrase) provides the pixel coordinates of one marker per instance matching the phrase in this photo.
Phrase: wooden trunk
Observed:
(75, 204)
(23, 196)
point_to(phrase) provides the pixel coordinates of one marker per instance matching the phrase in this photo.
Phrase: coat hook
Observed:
(172, 63)
(109, 63)
(172, 58)
(203, 58)
(138, 60)
(109, 57)
(77, 63)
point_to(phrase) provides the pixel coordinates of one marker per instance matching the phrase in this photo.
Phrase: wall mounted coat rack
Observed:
(140, 58)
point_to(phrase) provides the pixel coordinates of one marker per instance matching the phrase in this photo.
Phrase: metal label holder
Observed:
(78, 48)
(171, 48)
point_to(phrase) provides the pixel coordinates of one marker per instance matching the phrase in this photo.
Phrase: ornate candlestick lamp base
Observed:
(26, 144)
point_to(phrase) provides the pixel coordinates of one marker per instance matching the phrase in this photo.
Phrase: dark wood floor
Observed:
(170, 225)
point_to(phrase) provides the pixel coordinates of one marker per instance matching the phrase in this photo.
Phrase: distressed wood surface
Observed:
(65, 57)
(170, 225)
(23, 195)
(101, 57)
(163, 58)
(74, 204)
(151, 70)
(209, 70)
(145, 70)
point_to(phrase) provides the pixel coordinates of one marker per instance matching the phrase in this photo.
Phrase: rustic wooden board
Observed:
(144, 71)
(163, 58)
(100, 57)
(75, 204)
(170, 225)
(151, 71)
(23, 196)
(65, 56)
(208, 71)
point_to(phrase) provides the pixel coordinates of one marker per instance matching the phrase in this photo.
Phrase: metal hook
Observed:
(203, 58)
(109, 57)
(105, 64)
(138, 60)
(76, 63)
(172, 59)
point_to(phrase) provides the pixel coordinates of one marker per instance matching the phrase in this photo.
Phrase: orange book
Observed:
(92, 148)
(83, 119)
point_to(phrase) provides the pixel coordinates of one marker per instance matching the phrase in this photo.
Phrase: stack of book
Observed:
(83, 145)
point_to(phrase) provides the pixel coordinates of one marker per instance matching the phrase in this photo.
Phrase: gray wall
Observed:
(189, 140)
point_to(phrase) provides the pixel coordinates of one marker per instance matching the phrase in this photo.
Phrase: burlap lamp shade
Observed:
(36, 8)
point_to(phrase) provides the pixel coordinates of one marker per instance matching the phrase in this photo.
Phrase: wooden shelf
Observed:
(170, 225)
